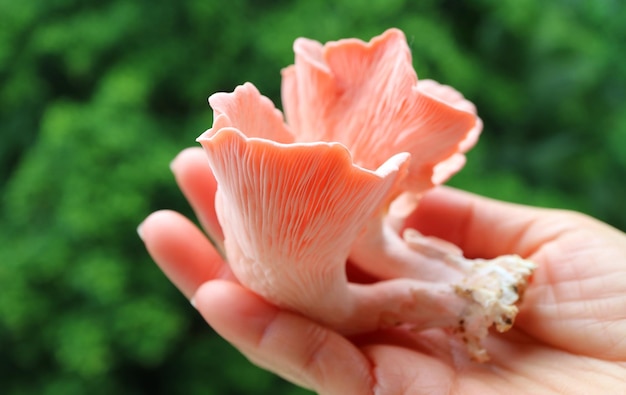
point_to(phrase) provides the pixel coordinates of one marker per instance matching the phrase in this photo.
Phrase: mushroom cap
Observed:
(290, 214)
(367, 96)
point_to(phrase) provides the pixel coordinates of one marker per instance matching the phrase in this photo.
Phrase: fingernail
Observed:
(139, 231)
(174, 162)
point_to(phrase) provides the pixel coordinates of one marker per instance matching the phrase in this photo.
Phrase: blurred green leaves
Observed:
(96, 98)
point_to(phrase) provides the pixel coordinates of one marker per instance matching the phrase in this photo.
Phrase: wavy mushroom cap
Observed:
(291, 212)
(367, 96)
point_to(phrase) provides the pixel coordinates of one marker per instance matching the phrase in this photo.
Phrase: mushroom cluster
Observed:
(329, 183)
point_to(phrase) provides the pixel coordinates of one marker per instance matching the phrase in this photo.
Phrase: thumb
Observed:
(483, 227)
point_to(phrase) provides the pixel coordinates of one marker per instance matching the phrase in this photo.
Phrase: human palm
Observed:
(570, 335)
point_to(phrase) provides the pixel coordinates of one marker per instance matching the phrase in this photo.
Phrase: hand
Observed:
(569, 338)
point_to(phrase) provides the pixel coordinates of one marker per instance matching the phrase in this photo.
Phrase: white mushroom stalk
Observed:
(298, 197)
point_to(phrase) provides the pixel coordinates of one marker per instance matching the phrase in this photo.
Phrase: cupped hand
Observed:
(569, 338)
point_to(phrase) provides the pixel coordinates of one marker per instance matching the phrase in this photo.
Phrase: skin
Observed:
(569, 338)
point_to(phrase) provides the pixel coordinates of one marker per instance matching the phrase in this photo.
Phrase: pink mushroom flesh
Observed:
(296, 199)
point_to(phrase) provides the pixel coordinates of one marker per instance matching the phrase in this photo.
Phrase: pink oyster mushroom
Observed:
(363, 140)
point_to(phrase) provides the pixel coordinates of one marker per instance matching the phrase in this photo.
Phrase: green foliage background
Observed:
(97, 97)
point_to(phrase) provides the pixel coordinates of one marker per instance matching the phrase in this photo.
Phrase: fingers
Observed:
(287, 344)
(484, 227)
(195, 179)
(182, 251)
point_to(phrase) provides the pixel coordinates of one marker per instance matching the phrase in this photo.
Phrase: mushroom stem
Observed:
(391, 303)
(486, 297)
(443, 288)
(383, 253)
